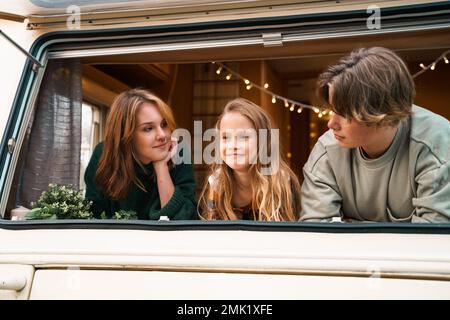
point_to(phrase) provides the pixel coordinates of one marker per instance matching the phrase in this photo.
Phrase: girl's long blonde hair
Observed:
(275, 197)
(115, 170)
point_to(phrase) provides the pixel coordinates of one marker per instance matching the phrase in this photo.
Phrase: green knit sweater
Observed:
(182, 205)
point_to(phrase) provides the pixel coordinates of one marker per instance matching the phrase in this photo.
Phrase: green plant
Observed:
(61, 202)
(121, 215)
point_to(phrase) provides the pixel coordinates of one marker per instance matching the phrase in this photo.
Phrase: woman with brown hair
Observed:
(132, 169)
(239, 187)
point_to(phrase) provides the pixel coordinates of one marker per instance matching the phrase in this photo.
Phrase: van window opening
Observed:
(197, 93)
(188, 81)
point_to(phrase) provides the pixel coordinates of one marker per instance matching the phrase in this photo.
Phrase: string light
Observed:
(264, 88)
(432, 65)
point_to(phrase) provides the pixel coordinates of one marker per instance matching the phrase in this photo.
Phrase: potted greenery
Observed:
(65, 202)
(61, 202)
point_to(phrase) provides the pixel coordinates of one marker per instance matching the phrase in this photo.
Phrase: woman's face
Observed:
(238, 141)
(152, 136)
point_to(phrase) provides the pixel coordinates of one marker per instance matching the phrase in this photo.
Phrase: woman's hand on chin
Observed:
(161, 164)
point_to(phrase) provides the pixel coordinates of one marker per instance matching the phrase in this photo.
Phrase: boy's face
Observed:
(351, 133)
(348, 132)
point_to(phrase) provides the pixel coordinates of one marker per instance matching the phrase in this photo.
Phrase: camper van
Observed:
(64, 62)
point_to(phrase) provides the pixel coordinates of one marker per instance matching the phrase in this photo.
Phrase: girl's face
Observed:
(152, 136)
(238, 141)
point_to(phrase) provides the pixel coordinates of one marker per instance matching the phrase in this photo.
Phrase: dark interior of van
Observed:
(188, 81)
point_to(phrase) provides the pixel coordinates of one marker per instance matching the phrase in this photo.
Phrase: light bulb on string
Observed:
(445, 59)
(433, 66)
(249, 85)
(320, 115)
(422, 66)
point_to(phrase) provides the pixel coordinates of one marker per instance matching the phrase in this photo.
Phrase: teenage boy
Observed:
(383, 159)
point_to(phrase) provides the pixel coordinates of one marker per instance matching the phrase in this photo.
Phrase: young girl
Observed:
(132, 169)
(238, 188)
